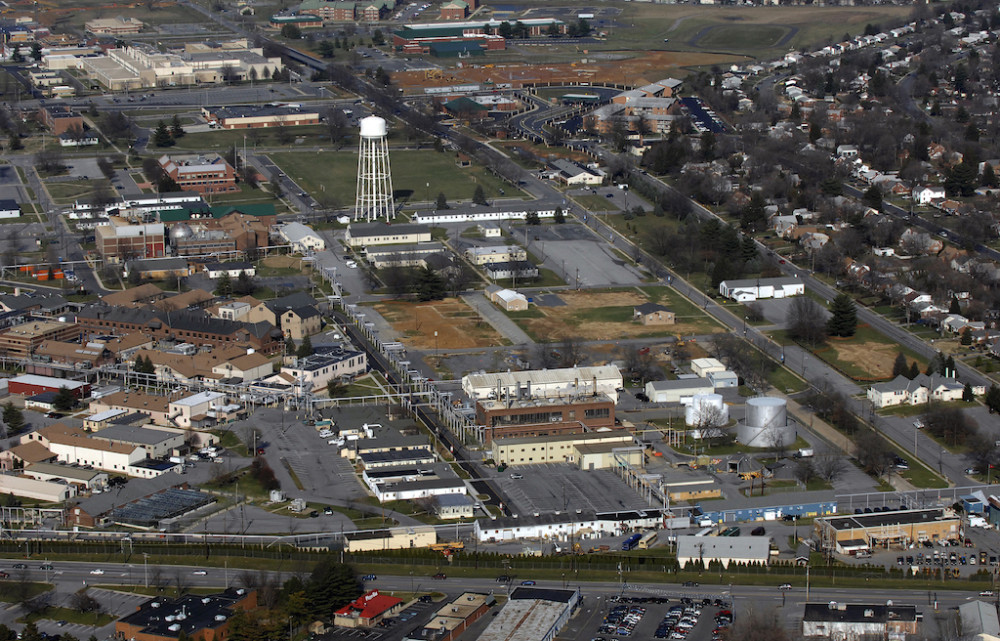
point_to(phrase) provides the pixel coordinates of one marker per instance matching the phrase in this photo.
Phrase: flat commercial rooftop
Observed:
(524, 620)
(879, 519)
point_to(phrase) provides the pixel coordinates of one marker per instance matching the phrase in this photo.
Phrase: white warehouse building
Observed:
(750, 289)
(549, 383)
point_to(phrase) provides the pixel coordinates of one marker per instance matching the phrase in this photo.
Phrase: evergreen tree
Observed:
(16, 55)
(844, 319)
(559, 217)
(992, 399)
(442, 201)
(161, 136)
(966, 337)
(954, 307)
(330, 586)
(289, 346)
(988, 177)
(176, 129)
(914, 371)
(948, 369)
(428, 285)
(224, 286)
(967, 395)
(13, 418)
(65, 400)
(305, 348)
(325, 49)
(36, 51)
(531, 218)
(479, 196)
(748, 249)
(899, 366)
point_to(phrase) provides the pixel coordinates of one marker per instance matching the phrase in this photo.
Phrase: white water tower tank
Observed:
(704, 407)
(374, 199)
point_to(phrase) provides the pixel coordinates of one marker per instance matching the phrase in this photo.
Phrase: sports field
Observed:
(416, 175)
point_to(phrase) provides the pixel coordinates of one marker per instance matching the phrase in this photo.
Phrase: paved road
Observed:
(497, 319)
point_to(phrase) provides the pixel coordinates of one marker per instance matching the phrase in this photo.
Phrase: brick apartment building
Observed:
(186, 326)
(205, 174)
(21, 341)
(120, 241)
(60, 119)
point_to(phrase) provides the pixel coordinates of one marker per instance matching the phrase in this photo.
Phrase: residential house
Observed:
(652, 314)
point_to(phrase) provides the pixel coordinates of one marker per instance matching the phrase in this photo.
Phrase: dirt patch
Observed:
(642, 69)
(571, 320)
(457, 325)
(283, 262)
(874, 358)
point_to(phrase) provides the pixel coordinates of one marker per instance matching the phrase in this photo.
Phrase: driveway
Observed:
(497, 319)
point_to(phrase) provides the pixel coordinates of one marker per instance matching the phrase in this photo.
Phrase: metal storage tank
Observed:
(766, 423)
(705, 405)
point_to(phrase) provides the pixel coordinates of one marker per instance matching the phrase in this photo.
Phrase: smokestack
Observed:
(595, 384)
(527, 392)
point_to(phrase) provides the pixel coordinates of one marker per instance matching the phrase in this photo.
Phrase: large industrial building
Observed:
(568, 381)
(527, 416)
(862, 532)
(722, 549)
(589, 451)
(532, 614)
(848, 621)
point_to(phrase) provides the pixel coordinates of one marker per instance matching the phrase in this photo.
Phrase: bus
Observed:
(647, 541)
(706, 532)
(630, 542)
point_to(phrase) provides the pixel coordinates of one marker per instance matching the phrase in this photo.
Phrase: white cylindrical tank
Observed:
(766, 424)
(705, 408)
(764, 411)
(373, 127)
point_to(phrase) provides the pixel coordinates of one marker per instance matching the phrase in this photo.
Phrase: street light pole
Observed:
(145, 569)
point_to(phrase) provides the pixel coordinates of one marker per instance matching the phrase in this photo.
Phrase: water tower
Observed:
(374, 197)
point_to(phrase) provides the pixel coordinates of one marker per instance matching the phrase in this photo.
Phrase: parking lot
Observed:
(658, 618)
(413, 617)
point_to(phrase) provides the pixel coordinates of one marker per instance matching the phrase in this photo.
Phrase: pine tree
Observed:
(967, 395)
(559, 217)
(13, 418)
(305, 348)
(65, 400)
(176, 130)
(442, 201)
(844, 319)
(914, 371)
(949, 367)
(899, 366)
(531, 218)
(224, 286)
(954, 307)
(966, 337)
(161, 136)
(479, 196)
(992, 399)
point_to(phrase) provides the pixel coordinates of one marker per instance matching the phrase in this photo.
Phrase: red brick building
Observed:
(120, 241)
(209, 174)
(60, 119)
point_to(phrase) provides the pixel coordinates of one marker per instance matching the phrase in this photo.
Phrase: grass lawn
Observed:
(10, 591)
(416, 175)
(783, 379)
(593, 202)
(917, 410)
(759, 32)
(96, 619)
(685, 312)
(64, 193)
(221, 139)
(867, 356)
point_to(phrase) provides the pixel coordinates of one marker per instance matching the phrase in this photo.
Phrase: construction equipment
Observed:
(432, 74)
(756, 474)
(454, 546)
